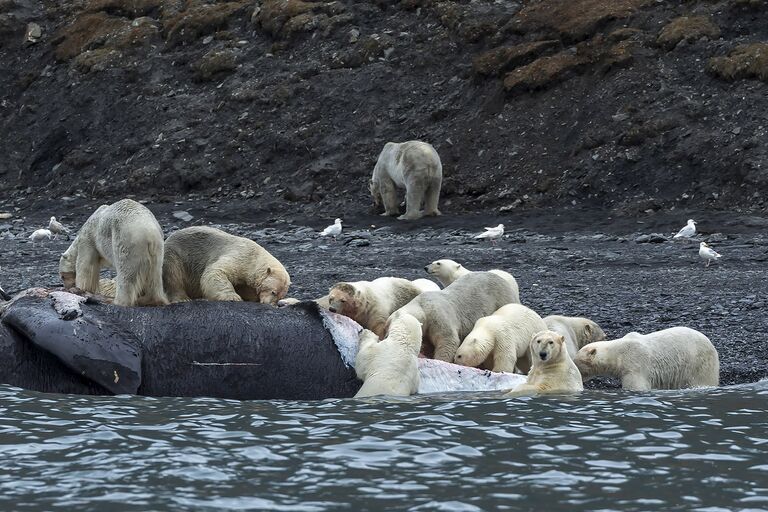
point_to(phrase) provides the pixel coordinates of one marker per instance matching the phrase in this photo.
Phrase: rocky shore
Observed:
(626, 274)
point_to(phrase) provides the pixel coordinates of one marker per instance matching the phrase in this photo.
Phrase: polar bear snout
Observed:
(543, 355)
(332, 309)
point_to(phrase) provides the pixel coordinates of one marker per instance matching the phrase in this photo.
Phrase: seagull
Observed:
(492, 234)
(57, 228)
(707, 253)
(688, 230)
(333, 230)
(40, 235)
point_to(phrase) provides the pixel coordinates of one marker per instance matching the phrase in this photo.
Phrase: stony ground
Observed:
(583, 263)
(631, 105)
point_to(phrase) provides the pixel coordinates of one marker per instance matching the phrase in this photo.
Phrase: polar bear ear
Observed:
(592, 351)
(560, 339)
(458, 266)
(269, 270)
(588, 329)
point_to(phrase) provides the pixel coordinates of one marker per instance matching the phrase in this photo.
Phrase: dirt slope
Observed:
(632, 105)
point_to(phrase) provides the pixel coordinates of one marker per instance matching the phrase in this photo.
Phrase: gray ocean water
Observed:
(696, 450)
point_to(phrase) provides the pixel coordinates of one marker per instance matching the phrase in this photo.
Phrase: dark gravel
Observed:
(576, 264)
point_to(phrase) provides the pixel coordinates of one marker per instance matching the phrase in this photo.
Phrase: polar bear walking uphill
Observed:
(390, 366)
(577, 331)
(206, 263)
(675, 358)
(449, 315)
(553, 370)
(414, 166)
(370, 303)
(127, 237)
(502, 340)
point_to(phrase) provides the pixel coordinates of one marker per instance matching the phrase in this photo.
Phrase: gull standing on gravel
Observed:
(333, 230)
(688, 230)
(39, 235)
(707, 253)
(492, 234)
(57, 228)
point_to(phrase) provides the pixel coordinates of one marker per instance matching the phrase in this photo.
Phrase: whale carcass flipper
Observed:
(96, 349)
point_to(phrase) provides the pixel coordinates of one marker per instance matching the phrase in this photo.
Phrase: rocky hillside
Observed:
(632, 105)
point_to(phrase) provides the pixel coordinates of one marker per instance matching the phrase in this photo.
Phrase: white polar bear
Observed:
(370, 303)
(127, 237)
(425, 285)
(578, 331)
(390, 366)
(415, 166)
(674, 358)
(500, 341)
(448, 271)
(553, 370)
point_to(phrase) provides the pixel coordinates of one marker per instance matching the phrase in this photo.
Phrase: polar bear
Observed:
(370, 303)
(126, 236)
(425, 285)
(501, 340)
(206, 263)
(578, 331)
(674, 358)
(413, 165)
(390, 366)
(553, 370)
(448, 271)
(448, 315)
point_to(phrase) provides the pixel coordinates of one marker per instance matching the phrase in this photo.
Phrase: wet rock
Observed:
(745, 61)
(687, 28)
(653, 238)
(183, 215)
(357, 242)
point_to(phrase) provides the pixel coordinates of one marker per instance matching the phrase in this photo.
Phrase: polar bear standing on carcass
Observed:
(126, 236)
(415, 166)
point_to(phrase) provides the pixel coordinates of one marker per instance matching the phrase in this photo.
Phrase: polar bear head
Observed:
(67, 267)
(446, 271)
(478, 344)
(274, 286)
(344, 299)
(591, 358)
(547, 347)
(591, 332)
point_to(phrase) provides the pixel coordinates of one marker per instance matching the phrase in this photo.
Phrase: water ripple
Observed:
(602, 450)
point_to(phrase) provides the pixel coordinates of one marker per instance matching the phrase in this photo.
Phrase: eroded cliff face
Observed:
(633, 105)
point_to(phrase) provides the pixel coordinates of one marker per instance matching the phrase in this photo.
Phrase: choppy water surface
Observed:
(701, 450)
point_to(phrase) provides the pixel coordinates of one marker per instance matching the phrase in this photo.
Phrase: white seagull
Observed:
(492, 234)
(57, 228)
(39, 235)
(333, 230)
(688, 230)
(707, 254)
